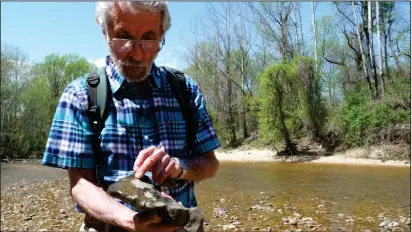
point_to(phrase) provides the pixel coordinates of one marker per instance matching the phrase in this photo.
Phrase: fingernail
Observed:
(138, 174)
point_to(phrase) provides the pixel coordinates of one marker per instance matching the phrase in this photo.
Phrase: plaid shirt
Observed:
(133, 124)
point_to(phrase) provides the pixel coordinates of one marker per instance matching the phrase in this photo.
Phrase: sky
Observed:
(42, 28)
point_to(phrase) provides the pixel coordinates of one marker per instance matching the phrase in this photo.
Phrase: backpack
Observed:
(99, 90)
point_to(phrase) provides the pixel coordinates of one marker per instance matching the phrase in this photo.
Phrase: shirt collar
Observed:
(116, 79)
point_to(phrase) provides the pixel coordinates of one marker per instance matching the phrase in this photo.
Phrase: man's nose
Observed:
(137, 52)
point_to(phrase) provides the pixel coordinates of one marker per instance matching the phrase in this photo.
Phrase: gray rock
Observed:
(293, 221)
(385, 223)
(143, 195)
(395, 224)
(228, 227)
(219, 211)
(408, 221)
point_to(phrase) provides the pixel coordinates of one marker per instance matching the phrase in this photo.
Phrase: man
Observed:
(143, 132)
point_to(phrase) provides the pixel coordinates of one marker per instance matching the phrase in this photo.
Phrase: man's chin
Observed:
(135, 74)
(135, 77)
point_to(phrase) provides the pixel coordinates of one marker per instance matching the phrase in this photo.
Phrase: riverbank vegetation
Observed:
(341, 82)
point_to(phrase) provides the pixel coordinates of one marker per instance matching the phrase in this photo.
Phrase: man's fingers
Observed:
(153, 222)
(149, 162)
(166, 195)
(147, 218)
(163, 226)
(166, 172)
(157, 170)
(143, 154)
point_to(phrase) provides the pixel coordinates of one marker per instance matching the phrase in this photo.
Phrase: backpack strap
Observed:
(181, 91)
(98, 91)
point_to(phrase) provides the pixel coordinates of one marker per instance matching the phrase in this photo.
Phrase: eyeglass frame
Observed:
(134, 41)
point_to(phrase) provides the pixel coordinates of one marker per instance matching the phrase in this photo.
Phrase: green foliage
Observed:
(290, 95)
(362, 118)
(29, 97)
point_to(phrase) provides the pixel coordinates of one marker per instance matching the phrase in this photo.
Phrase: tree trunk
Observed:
(381, 77)
(385, 50)
(314, 36)
(361, 50)
(295, 23)
(290, 147)
(231, 121)
(369, 42)
(301, 34)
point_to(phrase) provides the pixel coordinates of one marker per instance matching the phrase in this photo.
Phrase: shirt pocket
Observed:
(175, 133)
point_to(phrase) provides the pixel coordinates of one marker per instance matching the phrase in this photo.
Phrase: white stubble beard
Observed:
(117, 63)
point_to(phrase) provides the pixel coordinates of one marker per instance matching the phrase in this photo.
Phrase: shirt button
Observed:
(146, 137)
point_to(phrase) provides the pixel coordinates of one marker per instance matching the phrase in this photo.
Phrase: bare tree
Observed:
(381, 77)
(361, 49)
(315, 47)
(369, 42)
(275, 18)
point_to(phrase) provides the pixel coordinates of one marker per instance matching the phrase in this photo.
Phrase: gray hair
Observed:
(103, 9)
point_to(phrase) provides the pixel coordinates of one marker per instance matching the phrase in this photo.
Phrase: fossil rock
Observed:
(143, 195)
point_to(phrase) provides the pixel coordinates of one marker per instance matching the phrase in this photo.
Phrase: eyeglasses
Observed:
(126, 45)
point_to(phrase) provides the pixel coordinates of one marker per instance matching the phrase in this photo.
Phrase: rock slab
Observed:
(143, 195)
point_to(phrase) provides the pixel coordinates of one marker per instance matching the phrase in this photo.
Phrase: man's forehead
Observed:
(140, 17)
(140, 20)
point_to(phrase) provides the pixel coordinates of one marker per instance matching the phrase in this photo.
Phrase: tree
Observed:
(361, 50)
(315, 38)
(30, 94)
(274, 23)
(59, 70)
(378, 26)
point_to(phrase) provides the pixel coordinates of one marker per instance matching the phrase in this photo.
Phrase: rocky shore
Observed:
(37, 199)
(47, 207)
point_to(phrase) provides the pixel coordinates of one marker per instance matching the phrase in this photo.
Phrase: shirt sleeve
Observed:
(206, 139)
(70, 140)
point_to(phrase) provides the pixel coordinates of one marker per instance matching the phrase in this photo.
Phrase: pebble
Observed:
(293, 221)
(228, 227)
(219, 211)
(350, 220)
(395, 224)
(385, 223)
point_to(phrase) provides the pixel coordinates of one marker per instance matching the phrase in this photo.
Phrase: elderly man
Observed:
(144, 131)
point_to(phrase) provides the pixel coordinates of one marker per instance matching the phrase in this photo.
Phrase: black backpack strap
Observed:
(181, 91)
(98, 91)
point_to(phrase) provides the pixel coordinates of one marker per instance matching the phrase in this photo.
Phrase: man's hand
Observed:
(150, 222)
(156, 160)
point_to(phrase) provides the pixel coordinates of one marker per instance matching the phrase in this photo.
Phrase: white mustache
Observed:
(141, 64)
